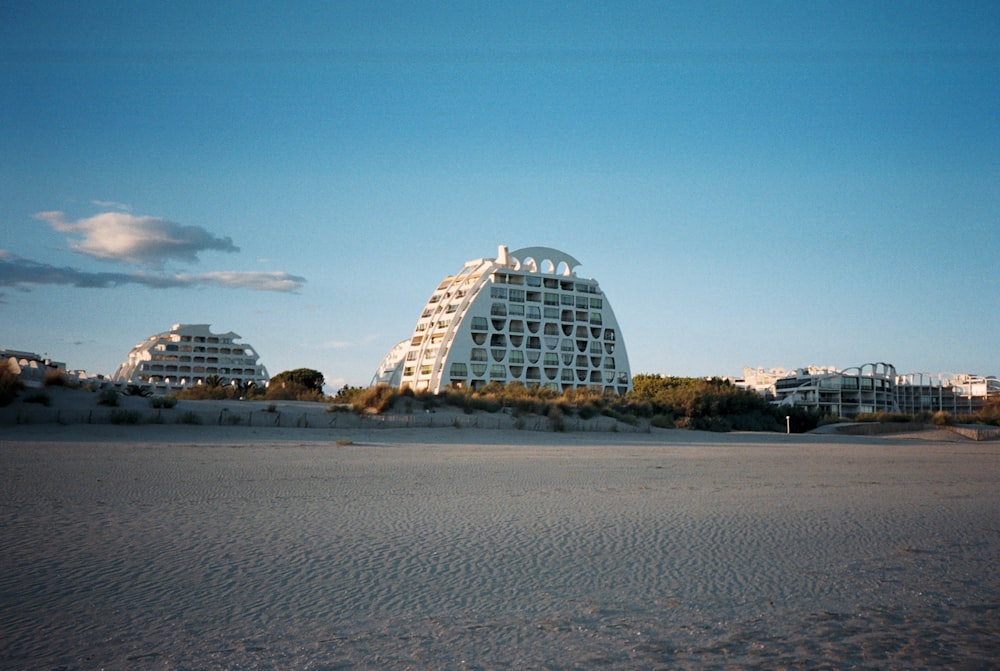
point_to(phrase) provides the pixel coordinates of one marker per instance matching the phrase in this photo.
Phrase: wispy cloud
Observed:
(112, 205)
(21, 273)
(137, 240)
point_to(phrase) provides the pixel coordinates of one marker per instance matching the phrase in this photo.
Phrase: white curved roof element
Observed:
(540, 259)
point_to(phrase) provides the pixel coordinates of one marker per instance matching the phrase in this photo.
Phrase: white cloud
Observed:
(111, 204)
(137, 240)
(22, 273)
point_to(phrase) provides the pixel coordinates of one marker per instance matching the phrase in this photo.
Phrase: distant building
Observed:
(189, 355)
(523, 317)
(872, 387)
(31, 368)
(957, 394)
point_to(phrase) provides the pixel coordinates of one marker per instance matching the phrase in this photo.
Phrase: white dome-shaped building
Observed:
(523, 317)
(188, 354)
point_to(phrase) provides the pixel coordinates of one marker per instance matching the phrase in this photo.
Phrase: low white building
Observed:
(872, 387)
(189, 355)
(29, 367)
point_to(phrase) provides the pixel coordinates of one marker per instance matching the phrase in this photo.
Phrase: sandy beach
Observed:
(225, 547)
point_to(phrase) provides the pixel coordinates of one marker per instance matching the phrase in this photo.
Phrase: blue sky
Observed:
(752, 183)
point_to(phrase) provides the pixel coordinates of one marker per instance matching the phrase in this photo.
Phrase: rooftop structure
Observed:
(31, 368)
(188, 355)
(524, 316)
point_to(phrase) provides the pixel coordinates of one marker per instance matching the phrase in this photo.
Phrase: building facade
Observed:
(872, 387)
(524, 316)
(958, 394)
(186, 356)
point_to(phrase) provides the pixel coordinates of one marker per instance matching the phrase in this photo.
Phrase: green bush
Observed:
(109, 397)
(662, 421)
(122, 416)
(10, 385)
(166, 402)
(557, 421)
(53, 378)
(189, 418)
(942, 418)
(39, 397)
(376, 399)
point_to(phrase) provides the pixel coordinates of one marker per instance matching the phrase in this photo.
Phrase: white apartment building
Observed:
(188, 354)
(524, 316)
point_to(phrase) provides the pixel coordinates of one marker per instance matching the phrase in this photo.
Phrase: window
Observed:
(551, 298)
(498, 292)
(516, 310)
(567, 299)
(498, 371)
(516, 357)
(498, 310)
(479, 324)
(477, 354)
(517, 295)
(550, 359)
(534, 312)
(459, 370)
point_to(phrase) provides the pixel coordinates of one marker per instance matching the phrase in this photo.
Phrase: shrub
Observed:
(207, 392)
(557, 421)
(122, 416)
(137, 390)
(348, 394)
(39, 397)
(10, 384)
(53, 378)
(189, 418)
(162, 402)
(109, 397)
(662, 421)
(377, 399)
(883, 417)
(942, 418)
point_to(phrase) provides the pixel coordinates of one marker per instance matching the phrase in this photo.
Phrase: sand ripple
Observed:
(265, 557)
